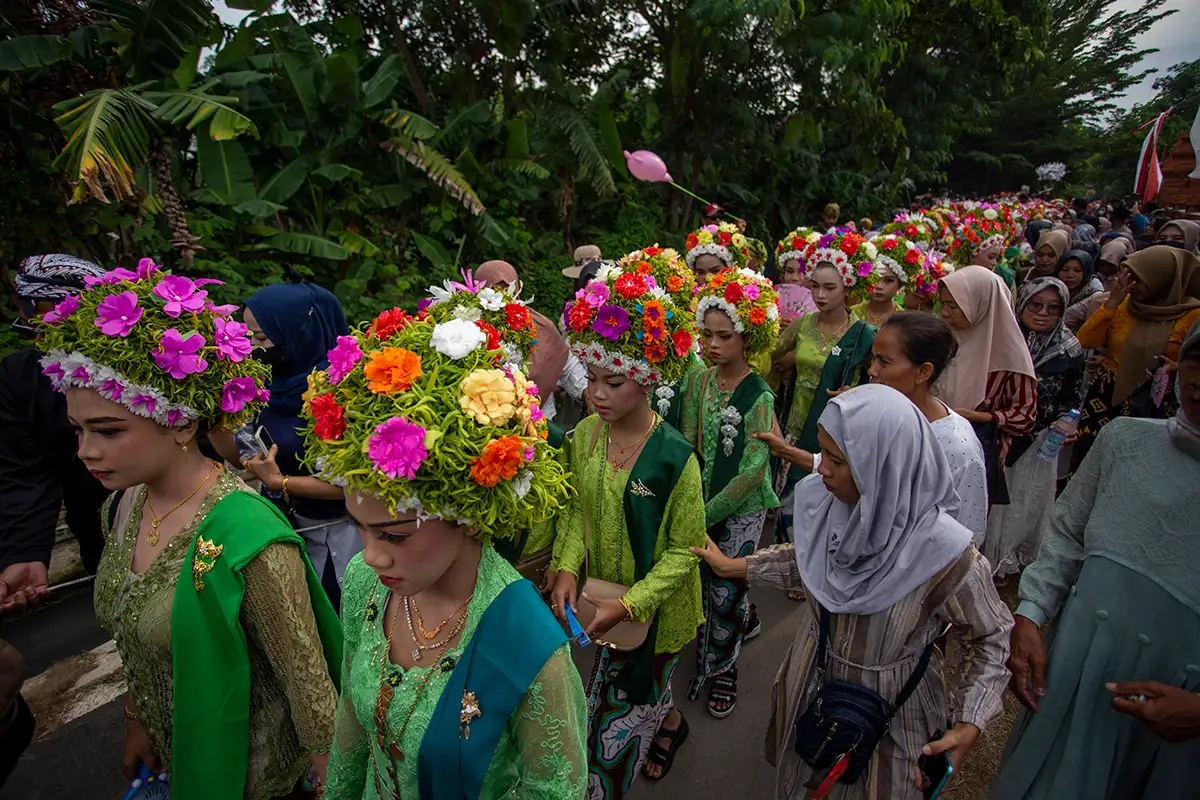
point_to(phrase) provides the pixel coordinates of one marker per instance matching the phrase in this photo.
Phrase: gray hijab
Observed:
(865, 558)
(1184, 432)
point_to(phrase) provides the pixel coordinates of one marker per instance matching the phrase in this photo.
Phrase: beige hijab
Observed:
(1172, 280)
(1116, 250)
(1057, 240)
(549, 354)
(1190, 230)
(993, 343)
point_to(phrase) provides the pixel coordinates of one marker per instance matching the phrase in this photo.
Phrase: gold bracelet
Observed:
(130, 715)
(286, 498)
(628, 608)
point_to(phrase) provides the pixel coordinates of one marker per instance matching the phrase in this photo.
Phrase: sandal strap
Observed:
(658, 755)
(663, 733)
(721, 697)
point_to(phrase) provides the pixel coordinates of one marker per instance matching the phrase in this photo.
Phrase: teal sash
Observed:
(658, 468)
(725, 467)
(854, 348)
(515, 637)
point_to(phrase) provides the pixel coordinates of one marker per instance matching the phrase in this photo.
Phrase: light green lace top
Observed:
(672, 587)
(812, 348)
(541, 755)
(700, 423)
(292, 699)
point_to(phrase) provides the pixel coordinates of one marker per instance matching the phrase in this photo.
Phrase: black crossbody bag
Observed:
(848, 720)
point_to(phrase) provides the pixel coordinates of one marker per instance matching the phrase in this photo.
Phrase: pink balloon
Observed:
(647, 166)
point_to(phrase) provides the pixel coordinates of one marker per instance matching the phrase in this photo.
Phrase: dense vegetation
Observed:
(376, 144)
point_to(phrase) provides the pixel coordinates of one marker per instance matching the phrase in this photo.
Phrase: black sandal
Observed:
(724, 690)
(753, 624)
(665, 758)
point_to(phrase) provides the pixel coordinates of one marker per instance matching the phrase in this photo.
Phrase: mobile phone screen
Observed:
(937, 770)
(265, 442)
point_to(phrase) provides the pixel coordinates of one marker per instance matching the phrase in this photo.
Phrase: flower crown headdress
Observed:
(934, 267)
(750, 302)
(155, 344)
(897, 256)
(915, 228)
(424, 417)
(794, 246)
(723, 240)
(500, 314)
(977, 233)
(662, 268)
(620, 323)
(850, 254)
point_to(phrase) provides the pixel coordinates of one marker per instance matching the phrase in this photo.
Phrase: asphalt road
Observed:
(81, 757)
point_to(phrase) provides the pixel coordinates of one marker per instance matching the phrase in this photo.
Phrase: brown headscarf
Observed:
(1172, 280)
(1190, 230)
(549, 355)
(1057, 240)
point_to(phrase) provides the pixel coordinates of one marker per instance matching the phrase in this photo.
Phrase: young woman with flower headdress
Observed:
(226, 638)
(829, 350)
(896, 264)
(980, 240)
(922, 294)
(450, 657)
(638, 505)
(723, 408)
(712, 248)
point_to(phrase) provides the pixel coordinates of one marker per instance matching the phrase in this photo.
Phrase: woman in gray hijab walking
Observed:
(889, 569)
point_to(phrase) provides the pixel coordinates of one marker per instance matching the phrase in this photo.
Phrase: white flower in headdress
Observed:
(456, 338)
(871, 250)
(490, 299)
(659, 293)
(608, 272)
(522, 483)
(441, 294)
(990, 213)
(468, 313)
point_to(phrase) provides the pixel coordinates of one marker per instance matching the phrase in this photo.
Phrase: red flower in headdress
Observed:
(630, 286)
(389, 323)
(725, 238)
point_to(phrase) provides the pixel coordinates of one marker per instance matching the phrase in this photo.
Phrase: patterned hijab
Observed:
(865, 558)
(1047, 348)
(1171, 276)
(50, 278)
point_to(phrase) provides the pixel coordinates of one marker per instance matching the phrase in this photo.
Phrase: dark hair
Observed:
(1120, 214)
(925, 339)
(587, 272)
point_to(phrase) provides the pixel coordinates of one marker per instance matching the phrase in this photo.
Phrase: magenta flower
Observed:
(175, 418)
(113, 389)
(222, 311)
(237, 393)
(232, 340)
(528, 453)
(865, 268)
(397, 448)
(536, 414)
(149, 402)
(118, 313)
(424, 303)
(68, 306)
(80, 373)
(107, 279)
(182, 294)
(54, 372)
(179, 356)
(343, 358)
(146, 269)
(611, 321)
(596, 294)
(750, 292)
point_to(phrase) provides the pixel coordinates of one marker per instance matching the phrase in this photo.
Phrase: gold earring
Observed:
(183, 446)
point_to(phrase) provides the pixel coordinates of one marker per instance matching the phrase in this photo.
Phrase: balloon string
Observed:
(702, 200)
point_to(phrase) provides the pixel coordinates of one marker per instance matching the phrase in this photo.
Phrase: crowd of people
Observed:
(352, 561)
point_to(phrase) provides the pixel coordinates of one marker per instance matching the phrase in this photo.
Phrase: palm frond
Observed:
(162, 31)
(517, 166)
(189, 108)
(438, 169)
(410, 124)
(108, 136)
(585, 144)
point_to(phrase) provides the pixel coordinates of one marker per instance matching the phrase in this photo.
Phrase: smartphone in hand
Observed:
(937, 770)
(262, 438)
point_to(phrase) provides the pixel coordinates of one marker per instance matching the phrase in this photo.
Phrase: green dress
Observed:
(541, 755)
(812, 348)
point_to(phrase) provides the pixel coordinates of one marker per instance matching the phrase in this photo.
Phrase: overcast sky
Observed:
(1177, 39)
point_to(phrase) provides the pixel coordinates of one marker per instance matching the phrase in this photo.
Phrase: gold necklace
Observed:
(873, 320)
(418, 648)
(438, 629)
(620, 465)
(830, 338)
(156, 521)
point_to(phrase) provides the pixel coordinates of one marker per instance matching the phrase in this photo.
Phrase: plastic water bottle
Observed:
(1058, 433)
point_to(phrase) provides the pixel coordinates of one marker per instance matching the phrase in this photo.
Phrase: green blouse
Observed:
(700, 423)
(542, 755)
(672, 587)
(812, 348)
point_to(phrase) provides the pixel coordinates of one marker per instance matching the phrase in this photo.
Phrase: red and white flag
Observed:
(1148, 179)
(1195, 134)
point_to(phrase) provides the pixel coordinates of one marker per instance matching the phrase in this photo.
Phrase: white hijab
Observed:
(865, 558)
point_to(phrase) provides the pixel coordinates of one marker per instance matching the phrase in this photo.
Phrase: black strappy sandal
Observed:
(665, 758)
(753, 624)
(724, 690)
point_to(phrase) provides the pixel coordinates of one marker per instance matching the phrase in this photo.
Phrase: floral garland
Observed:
(500, 313)
(916, 229)
(621, 323)
(850, 254)
(154, 343)
(750, 302)
(425, 417)
(897, 256)
(795, 245)
(662, 268)
(722, 240)
(934, 267)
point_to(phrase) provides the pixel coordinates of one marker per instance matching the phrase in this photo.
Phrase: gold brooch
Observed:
(638, 489)
(470, 711)
(205, 549)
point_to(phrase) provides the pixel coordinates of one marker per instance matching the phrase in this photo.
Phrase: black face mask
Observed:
(273, 357)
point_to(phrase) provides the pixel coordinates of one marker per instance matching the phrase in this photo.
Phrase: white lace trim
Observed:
(81, 372)
(637, 369)
(720, 303)
(714, 249)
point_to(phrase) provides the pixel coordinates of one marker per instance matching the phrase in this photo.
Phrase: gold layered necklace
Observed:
(156, 521)
(829, 339)
(420, 648)
(620, 463)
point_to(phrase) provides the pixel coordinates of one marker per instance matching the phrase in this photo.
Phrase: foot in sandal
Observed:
(670, 737)
(722, 697)
(796, 595)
